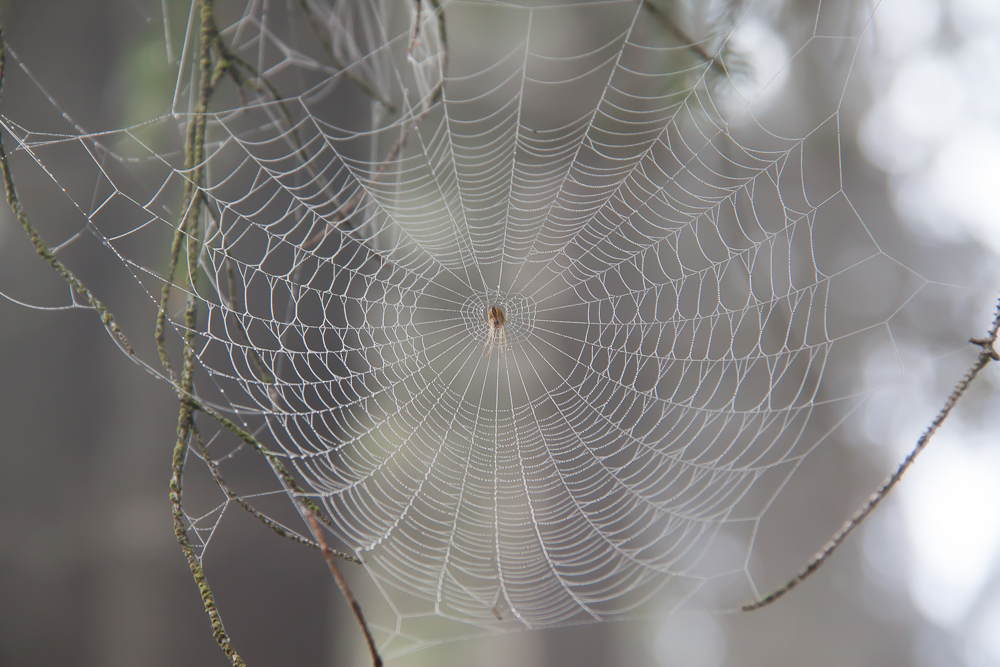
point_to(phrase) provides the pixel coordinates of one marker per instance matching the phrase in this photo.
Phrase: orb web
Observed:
(618, 180)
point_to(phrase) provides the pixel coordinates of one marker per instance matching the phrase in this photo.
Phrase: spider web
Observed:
(613, 178)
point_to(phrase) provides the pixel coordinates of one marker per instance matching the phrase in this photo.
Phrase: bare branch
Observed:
(328, 554)
(988, 354)
(319, 29)
(276, 527)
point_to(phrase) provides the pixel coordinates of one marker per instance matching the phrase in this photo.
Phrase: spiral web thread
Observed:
(664, 258)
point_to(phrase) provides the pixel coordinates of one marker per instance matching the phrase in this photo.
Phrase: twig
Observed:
(194, 155)
(319, 30)
(351, 205)
(261, 370)
(416, 29)
(342, 583)
(262, 85)
(184, 422)
(276, 527)
(683, 37)
(185, 418)
(988, 354)
(279, 469)
(187, 231)
(42, 249)
(443, 33)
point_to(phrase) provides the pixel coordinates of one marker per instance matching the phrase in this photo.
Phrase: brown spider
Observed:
(495, 320)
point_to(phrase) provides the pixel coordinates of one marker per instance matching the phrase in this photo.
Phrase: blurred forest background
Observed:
(92, 574)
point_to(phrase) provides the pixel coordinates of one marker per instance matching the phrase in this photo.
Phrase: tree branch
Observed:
(328, 554)
(988, 354)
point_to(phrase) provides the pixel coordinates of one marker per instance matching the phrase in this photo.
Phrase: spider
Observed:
(495, 320)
